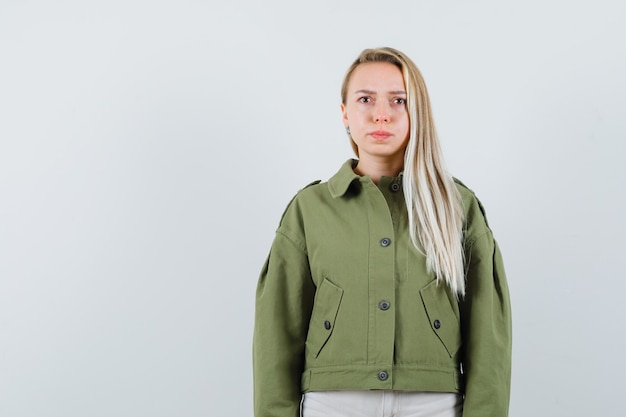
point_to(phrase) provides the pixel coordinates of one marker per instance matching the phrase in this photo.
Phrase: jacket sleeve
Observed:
(284, 300)
(487, 332)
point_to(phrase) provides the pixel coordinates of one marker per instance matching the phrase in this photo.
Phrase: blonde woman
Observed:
(384, 292)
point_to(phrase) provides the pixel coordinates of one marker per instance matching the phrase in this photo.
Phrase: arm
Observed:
(486, 328)
(284, 300)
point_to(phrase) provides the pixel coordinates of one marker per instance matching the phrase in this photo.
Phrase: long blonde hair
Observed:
(434, 205)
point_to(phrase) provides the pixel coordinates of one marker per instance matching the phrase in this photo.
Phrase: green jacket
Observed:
(345, 302)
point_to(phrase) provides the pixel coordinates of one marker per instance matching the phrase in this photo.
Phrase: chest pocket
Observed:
(324, 316)
(443, 316)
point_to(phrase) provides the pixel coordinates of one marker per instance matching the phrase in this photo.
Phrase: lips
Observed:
(380, 134)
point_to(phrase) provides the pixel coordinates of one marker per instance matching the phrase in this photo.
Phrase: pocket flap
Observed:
(327, 301)
(444, 319)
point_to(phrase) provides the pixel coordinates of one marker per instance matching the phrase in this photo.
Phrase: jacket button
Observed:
(383, 376)
(437, 324)
(327, 325)
(384, 305)
(395, 187)
(384, 242)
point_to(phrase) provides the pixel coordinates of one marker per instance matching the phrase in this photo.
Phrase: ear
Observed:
(345, 116)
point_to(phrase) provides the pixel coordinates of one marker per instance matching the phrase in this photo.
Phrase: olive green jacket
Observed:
(345, 302)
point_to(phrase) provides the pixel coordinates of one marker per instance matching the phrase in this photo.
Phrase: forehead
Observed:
(376, 76)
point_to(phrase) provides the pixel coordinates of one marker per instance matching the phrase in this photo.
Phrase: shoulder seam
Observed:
(312, 183)
(292, 241)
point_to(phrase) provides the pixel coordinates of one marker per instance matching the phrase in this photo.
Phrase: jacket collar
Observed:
(338, 184)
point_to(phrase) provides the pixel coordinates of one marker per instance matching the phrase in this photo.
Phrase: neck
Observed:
(376, 168)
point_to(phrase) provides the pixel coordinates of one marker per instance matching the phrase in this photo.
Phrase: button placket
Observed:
(381, 276)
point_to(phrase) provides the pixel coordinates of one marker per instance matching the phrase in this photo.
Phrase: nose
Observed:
(381, 113)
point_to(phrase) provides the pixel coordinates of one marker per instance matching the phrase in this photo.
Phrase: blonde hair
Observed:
(433, 202)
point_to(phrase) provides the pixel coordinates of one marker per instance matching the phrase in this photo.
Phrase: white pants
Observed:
(378, 403)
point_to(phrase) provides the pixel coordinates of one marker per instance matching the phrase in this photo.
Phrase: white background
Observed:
(148, 149)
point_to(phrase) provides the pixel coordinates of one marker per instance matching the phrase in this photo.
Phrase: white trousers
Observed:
(379, 403)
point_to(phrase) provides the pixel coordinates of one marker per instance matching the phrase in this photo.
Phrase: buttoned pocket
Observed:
(443, 317)
(323, 318)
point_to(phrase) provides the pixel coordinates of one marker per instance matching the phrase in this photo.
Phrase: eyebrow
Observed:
(374, 92)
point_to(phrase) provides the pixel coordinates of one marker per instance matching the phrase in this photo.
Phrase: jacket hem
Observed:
(396, 377)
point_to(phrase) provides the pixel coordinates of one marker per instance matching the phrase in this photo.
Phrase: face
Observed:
(375, 111)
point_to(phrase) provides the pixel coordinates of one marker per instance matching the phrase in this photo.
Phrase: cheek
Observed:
(406, 128)
(358, 118)
(404, 118)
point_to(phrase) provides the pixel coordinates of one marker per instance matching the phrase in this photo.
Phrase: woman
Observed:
(384, 293)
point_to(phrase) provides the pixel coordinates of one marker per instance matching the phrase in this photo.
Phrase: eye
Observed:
(399, 101)
(365, 99)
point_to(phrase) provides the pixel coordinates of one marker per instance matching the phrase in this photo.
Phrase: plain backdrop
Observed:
(148, 149)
